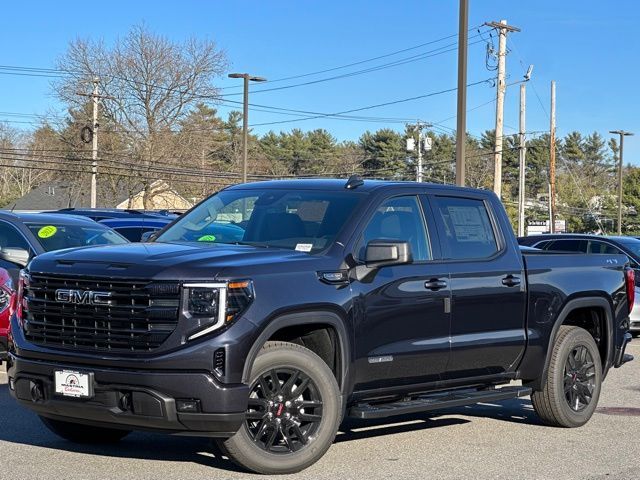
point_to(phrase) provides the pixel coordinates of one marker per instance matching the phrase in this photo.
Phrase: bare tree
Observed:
(150, 84)
(20, 170)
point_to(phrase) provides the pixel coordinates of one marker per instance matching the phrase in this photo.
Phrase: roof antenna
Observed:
(354, 181)
(14, 206)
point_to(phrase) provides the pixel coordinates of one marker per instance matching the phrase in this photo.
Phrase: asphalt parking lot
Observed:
(503, 441)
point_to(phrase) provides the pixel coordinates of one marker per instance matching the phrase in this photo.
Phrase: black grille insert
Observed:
(140, 315)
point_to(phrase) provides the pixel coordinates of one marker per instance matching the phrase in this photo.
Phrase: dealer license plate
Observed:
(70, 383)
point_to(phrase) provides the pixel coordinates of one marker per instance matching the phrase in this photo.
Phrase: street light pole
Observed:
(622, 134)
(245, 116)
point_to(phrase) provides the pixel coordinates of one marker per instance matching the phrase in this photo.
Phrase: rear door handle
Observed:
(511, 281)
(435, 284)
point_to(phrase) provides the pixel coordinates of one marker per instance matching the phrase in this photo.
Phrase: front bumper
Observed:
(133, 399)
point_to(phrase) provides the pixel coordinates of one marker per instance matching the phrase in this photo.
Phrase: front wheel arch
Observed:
(306, 318)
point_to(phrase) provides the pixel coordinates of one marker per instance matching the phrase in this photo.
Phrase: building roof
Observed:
(57, 195)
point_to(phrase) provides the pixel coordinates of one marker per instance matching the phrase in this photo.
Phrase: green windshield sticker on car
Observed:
(47, 231)
(207, 238)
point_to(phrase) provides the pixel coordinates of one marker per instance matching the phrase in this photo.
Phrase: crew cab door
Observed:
(487, 287)
(402, 320)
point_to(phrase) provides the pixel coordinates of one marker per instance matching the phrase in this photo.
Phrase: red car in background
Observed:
(6, 306)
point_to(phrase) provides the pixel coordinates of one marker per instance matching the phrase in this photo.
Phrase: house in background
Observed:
(57, 195)
(163, 197)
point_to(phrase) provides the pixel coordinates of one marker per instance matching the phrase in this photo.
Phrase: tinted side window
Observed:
(399, 219)
(133, 234)
(602, 247)
(568, 245)
(466, 228)
(11, 238)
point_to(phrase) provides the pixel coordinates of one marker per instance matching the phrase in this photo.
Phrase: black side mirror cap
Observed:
(380, 253)
(149, 236)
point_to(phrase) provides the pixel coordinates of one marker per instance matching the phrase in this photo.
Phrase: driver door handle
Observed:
(435, 284)
(511, 281)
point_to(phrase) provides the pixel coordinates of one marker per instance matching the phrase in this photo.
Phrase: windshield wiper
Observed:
(252, 244)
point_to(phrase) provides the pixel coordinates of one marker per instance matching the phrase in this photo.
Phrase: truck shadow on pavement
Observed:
(516, 411)
(21, 426)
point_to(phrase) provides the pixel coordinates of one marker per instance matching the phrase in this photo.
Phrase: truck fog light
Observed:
(188, 405)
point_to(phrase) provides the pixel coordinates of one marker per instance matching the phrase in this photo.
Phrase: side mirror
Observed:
(380, 253)
(148, 236)
(18, 256)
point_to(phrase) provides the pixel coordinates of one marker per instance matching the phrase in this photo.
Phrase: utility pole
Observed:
(422, 143)
(622, 134)
(94, 147)
(503, 28)
(245, 116)
(95, 98)
(552, 161)
(461, 127)
(419, 171)
(550, 212)
(523, 153)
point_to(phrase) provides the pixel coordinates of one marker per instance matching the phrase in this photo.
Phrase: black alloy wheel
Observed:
(579, 378)
(285, 410)
(570, 387)
(293, 411)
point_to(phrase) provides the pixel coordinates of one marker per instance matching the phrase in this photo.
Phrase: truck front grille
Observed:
(126, 316)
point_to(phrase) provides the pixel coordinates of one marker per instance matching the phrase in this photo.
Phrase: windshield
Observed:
(59, 236)
(303, 220)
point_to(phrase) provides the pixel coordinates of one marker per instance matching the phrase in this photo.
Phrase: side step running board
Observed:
(436, 401)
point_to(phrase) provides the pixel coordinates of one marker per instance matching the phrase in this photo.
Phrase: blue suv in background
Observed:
(131, 224)
(133, 229)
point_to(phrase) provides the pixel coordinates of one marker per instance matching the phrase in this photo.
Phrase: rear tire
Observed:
(77, 433)
(291, 422)
(572, 384)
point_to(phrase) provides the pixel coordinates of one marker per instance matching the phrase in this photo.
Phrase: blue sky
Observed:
(590, 48)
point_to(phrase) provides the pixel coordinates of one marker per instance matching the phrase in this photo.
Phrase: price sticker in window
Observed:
(47, 231)
(207, 238)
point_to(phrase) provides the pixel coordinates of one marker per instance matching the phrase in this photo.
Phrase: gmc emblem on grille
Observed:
(83, 297)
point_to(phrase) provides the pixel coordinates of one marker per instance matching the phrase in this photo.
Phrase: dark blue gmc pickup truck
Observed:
(331, 299)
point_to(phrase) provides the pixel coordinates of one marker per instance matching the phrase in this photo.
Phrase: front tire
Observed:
(294, 412)
(572, 385)
(77, 433)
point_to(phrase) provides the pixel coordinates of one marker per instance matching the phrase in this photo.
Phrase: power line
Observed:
(385, 104)
(445, 49)
(51, 72)
(327, 70)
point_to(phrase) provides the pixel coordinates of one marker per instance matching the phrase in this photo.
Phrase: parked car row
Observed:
(23, 236)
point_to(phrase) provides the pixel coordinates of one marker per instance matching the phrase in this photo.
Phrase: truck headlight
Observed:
(210, 306)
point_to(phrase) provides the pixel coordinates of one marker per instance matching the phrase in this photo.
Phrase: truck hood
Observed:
(160, 261)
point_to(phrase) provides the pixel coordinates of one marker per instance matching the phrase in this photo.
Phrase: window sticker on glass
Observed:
(207, 238)
(467, 223)
(47, 231)
(304, 247)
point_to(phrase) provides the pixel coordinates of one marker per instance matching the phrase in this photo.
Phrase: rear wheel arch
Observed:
(286, 324)
(596, 304)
